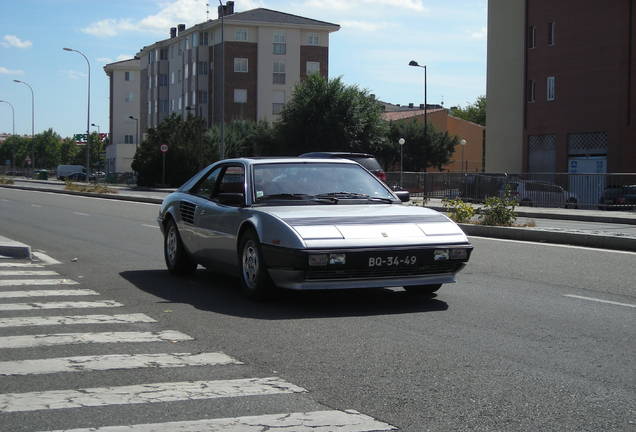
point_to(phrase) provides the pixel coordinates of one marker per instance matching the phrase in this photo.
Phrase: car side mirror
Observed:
(403, 195)
(231, 198)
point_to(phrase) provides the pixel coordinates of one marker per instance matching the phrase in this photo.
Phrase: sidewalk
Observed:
(562, 226)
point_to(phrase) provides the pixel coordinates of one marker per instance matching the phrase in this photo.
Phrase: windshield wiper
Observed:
(353, 195)
(296, 196)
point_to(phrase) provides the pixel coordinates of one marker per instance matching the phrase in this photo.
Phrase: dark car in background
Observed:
(79, 176)
(618, 197)
(366, 160)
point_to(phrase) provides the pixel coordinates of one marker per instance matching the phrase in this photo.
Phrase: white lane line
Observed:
(150, 226)
(80, 213)
(28, 273)
(315, 421)
(599, 300)
(20, 265)
(555, 245)
(31, 341)
(113, 362)
(144, 393)
(47, 293)
(74, 319)
(45, 258)
(23, 282)
(58, 305)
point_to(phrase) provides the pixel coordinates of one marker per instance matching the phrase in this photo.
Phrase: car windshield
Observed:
(325, 182)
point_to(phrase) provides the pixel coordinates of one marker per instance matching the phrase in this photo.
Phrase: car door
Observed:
(218, 222)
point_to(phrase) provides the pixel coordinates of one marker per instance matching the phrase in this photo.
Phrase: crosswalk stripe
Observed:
(19, 265)
(28, 273)
(31, 341)
(22, 282)
(145, 393)
(113, 362)
(315, 421)
(47, 293)
(58, 305)
(74, 319)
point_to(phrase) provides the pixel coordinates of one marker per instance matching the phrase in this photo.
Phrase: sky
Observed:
(372, 49)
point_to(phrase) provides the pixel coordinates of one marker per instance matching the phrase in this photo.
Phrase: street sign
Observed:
(28, 160)
(163, 148)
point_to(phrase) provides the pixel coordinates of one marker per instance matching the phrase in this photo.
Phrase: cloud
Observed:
(361, 5)
(5, 71)
(365, 26)
(481, 34)
(15, 42)
(120, 57)
(73, 74)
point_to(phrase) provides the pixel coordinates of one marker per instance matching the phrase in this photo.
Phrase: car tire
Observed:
(422, 289)
(255, 281)
(177, 258)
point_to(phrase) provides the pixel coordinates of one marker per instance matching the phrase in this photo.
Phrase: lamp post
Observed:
(462, 142)
(32, 120)
(136, 130)
(401, 141)
(414, 63)
(12, 112)
(97, 126)
(88, 114)
(222, 149)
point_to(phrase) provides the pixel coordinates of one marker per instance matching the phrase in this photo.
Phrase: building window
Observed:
(180, 103)
(204, 38)
(163, 106)
(172, 77)
(312, 39)
(278, 101)
(179, 75)
(187, 43)
(280, 43)
(551, 88)
(149, 108)
(195, 40)
(279, 73)
(187, 70)
(531, 88)
(313, 67)
(532, 34)
(186, 98)
(240, 96)
(127, 76)
(163, 80)
(130, 97)
(194, 97)
(240, 64)
(203, 68)
(163, 54)
(240, 35)
(203, 96)
(128, 139)
(194, 68)
(551, 29)
(172, 105)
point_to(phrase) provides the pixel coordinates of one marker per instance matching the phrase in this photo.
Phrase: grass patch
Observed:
(91, 188)
(4, 180)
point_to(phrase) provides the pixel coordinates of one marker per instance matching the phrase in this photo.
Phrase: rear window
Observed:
(369, 163)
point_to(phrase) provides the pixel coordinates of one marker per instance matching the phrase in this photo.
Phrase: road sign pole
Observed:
(163, 171)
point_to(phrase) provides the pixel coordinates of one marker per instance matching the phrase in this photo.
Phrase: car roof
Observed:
(336, 154)
(286, 159)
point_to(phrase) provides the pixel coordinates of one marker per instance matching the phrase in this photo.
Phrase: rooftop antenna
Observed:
(207, 11)
(442, 100)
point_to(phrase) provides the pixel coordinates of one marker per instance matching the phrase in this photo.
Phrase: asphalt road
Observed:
(532, 337)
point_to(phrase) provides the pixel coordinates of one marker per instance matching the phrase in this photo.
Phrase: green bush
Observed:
(458, 210)
(4, 180)
(499, 211)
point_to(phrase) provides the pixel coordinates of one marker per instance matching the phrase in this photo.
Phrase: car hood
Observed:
(368, 225)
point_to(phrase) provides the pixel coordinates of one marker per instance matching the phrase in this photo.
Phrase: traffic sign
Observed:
(163, 148)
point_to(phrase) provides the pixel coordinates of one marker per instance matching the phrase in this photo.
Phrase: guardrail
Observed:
(590, 191)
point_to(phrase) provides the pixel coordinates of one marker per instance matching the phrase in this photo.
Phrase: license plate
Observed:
(393, 261)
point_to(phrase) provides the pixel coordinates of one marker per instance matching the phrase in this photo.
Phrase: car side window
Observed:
(232, 181)
(206, 188)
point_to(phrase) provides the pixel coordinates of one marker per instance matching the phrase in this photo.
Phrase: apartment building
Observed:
(561, 86)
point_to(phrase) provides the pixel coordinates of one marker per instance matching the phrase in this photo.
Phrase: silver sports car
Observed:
(307, 224)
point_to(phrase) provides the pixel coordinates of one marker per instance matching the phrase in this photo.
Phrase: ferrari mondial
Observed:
(307, 224)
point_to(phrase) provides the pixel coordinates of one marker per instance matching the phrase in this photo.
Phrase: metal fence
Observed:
(588, 191)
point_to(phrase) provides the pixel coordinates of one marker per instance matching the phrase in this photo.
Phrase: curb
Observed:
(89, 194)
(13, 249)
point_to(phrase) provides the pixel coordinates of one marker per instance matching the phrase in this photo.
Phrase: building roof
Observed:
(272, 16)
(401, 115)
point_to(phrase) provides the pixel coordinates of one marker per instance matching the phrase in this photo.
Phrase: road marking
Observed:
(20, 265)
(80, 213)
(113, 362)
(555, 245)
(145, 393)
(36, 205)
(74, 319)
(31, 341)
(46, 293)
(28, 273)
(58, 305)
(150, 226)
(315, 421)
(600, 300)
(45, 258)
(22, 282)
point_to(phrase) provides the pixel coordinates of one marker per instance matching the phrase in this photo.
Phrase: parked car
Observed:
(537, 193)
(64, 171)
(618, 197)
(366, 160)
(307, 225)
(79, 176)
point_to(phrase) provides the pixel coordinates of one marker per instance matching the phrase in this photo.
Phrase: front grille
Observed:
(378, 273)
(187, 211)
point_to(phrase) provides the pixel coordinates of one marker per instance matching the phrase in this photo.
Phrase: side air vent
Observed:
(187, 211)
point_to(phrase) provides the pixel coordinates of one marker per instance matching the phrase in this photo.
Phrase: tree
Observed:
(475, 112)
(15, 149)
(420, 151)
(327, 115)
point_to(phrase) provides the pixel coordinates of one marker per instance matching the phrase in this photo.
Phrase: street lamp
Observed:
(12, 111)
(401, 141)
(32, 120)
(136, 130)
(414, 63)
(97, 126)
(222, 149)
(88, 113)
(462, 142)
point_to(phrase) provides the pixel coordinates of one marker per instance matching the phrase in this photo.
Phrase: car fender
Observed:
(272, 231)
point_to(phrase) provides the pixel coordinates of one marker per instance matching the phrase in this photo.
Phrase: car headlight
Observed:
(321, 260)
(459, 254)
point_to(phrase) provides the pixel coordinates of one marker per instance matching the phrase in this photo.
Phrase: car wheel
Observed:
(255, 280)
(571, 203)
(422, 289)
(177, 259)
